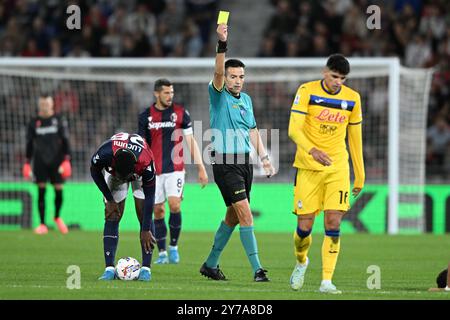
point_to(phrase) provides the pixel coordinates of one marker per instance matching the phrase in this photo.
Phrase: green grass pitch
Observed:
(35, 267)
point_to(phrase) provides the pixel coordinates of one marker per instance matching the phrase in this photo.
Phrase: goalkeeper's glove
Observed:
(26, 171)
(65, 168)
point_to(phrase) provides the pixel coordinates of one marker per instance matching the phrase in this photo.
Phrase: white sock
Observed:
(163, 253)
(303, 264)
(326, 282)
(173, 247)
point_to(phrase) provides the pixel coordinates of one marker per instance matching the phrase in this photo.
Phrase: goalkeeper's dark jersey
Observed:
(47, 139)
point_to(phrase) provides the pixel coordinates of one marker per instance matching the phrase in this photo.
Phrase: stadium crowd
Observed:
(134, 28)
(418, 31)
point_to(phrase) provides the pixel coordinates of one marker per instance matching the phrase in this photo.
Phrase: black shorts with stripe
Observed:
(233, 175)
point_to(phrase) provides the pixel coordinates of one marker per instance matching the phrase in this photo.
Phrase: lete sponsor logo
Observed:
(328, 116)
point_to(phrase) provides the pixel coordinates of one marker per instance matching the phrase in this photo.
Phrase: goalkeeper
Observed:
(48, 158)
(323, 113)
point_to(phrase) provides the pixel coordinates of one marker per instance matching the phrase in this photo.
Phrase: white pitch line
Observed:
(345, 292)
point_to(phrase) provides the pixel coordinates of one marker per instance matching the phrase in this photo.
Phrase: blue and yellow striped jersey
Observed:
(327, 116)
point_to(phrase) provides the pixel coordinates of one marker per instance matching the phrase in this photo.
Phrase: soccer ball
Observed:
(128, 269)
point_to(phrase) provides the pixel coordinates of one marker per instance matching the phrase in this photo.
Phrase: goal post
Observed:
(101, 96)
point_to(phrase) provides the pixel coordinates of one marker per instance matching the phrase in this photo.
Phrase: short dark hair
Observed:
(162, 83)
(441, 279)
(44, 95)
(234, 63)
(338, 63)
(124, 162)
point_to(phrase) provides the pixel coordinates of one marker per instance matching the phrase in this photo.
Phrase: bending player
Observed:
(121, 160)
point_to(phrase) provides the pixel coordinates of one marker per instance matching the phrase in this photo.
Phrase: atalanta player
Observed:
(122, 160)
(324, 113)
(48, 158)
(163, 125)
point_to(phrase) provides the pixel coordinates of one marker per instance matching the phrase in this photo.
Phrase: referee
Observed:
(48, 158)
(231, 116)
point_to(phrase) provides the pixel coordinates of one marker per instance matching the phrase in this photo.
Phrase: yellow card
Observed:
(223, 17)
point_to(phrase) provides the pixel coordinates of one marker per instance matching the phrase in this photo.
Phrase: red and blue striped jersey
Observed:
(103, 158)
(163, 130)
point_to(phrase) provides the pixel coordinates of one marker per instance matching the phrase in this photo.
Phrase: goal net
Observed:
(100, 97)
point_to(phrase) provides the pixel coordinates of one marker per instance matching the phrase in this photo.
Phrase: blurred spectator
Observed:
(203, 13)
(354, 23)
(40, 35)
(78, 51)
(418, 52)
(142, 20)
(305, 14)
(433, 21)
(165, 39)
(117, 20)
(173, 15)
(66, 99)
(32, 50)
(284, 20)
(7, 48)
(320, 46)
(292, 47)
(189, 43)
(438, 143)
(112, 40)
(128, 46)
(270, 46)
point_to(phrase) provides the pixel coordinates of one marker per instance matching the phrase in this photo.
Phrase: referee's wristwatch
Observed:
(266, 157)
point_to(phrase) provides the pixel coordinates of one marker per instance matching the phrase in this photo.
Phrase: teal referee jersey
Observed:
(232, 117)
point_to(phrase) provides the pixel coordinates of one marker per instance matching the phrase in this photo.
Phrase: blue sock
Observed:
(147, 257)
(160, 234)
(110, 241)
(221, 238)
(248, 240)
(175, 227)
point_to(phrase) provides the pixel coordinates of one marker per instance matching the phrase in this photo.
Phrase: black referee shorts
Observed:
(233, 178)
(44, 172)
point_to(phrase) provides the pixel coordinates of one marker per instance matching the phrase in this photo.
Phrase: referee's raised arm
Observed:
(219, 71)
